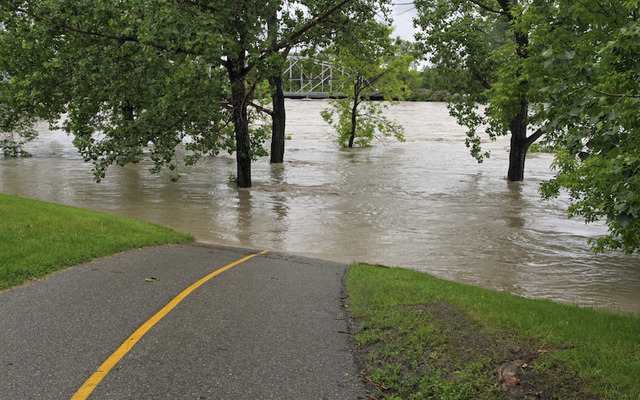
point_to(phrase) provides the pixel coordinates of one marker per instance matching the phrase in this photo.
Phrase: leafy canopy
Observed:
(138, 76)
(589, 51)
(577, 64)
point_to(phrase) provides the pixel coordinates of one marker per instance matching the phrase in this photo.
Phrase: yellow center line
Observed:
(93, 381)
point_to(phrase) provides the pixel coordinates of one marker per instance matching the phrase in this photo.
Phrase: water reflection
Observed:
(244, 211)
(514, 219)
(424, 204)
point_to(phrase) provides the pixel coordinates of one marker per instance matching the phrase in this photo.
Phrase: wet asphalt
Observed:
(272, 327)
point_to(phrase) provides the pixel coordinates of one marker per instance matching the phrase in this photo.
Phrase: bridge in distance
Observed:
(305, 78)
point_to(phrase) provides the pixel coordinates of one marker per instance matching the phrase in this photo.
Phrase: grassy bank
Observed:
(425, 338)
(37, 238)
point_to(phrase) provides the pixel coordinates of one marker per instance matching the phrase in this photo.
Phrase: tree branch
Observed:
(200, 5)
(627, 96)
(261, 109)
(291, 40)
(77, 30)
(487, 8)
(485, 83)
(534, 136)
(122, 39)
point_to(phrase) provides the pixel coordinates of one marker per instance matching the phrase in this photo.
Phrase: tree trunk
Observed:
(354, 121)
(519, 143)
(278, 121)
(240, 123)
(354, 111)
(518, 126)
(278, 118)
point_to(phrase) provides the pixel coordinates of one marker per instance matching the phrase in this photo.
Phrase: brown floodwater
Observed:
(424, 204)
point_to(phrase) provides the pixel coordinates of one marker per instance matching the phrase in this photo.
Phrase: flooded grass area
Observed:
(420, 337)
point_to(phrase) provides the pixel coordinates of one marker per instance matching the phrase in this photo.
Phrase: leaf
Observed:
(152, 279)
(624, 220)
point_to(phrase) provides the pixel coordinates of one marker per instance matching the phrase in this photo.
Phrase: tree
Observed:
(121, 83)
(136, 72)
(278, 112)
(484, 39)
(589, 52)
(16, 131)
(574, 68)
(370, 68)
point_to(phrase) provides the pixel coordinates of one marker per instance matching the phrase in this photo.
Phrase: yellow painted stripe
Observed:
(93, 381)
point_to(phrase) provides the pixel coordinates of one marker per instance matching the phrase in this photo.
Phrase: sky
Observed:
(402, 14)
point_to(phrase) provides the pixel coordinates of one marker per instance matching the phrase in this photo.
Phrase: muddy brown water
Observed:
(424, 204)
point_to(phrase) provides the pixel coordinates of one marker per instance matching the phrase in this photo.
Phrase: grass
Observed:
(38, 238)
(421, 337)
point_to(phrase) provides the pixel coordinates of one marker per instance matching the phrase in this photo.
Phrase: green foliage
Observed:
(543, 148)
(371, 123)
(373, 67)
(577, 64)
(15, 130)
(438, 78)
(118, 76)
(39, 238)
(593, 112)
(137, 78)
(12, 144)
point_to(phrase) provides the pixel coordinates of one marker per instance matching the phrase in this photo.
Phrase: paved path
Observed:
(267, 328)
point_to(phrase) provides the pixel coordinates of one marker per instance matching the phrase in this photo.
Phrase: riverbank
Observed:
(421, 337)
(39, 238)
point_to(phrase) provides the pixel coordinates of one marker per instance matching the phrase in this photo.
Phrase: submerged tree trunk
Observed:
(240, 122)
(241, 129)
(519, 143)
(278, 121)
(518, 127)
(354, 122)
(357, 91)
(279, 116)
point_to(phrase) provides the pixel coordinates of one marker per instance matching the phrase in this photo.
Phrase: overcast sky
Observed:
(403, 13)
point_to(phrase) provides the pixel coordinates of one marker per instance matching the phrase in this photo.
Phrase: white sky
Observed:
(402, 14)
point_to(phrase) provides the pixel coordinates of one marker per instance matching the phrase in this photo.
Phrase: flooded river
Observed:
(424, 204)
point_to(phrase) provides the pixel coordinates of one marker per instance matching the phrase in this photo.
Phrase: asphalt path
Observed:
(270, 327)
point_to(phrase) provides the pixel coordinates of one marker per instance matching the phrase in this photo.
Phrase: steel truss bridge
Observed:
(308, 78)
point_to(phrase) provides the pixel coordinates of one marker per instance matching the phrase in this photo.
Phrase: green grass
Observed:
(37, 238)
(425, 338)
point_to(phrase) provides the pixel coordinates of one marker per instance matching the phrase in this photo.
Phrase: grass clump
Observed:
(39, 238)
(421, 337)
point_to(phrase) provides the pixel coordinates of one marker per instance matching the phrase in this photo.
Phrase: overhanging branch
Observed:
(292, 39)
(261, 109)
(487, 8)
(118, 38)
(623, 96)
(534, 136)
